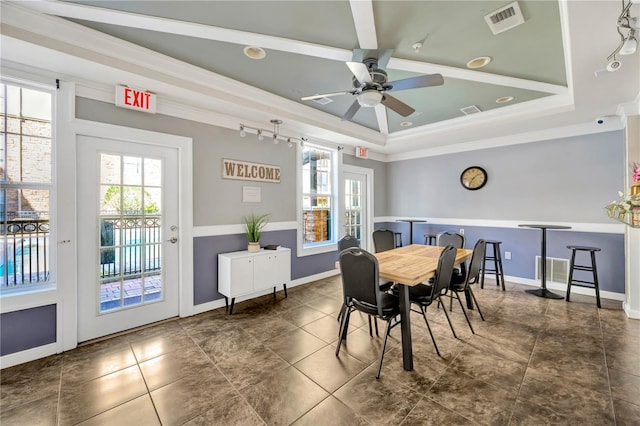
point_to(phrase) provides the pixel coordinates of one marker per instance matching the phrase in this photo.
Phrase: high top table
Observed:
(542, 291)
(411, 222)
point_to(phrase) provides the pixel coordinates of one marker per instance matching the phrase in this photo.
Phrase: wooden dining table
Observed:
(409, 266)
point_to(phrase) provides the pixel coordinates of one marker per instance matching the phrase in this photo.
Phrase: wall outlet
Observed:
(461, 231)
(507, 255)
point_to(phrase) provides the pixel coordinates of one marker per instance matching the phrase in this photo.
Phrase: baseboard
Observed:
(29, 355)
(631, 313)
(551, 285)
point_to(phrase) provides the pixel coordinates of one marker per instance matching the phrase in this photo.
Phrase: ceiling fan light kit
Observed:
(370, 98)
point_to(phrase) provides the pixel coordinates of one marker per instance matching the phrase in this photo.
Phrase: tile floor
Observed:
(534, 361)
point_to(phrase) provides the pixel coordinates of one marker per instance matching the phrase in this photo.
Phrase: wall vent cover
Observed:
(323, 101)
(470, 110)
(505, 18)
(557, 270)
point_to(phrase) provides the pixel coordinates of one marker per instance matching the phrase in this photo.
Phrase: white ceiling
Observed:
(191, 57)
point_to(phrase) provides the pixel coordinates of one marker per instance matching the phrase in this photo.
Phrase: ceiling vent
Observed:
(323, 101)
(470, 110)
(505, 18)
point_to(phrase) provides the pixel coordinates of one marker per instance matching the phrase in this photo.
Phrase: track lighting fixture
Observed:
(627, 28)
(274, 134)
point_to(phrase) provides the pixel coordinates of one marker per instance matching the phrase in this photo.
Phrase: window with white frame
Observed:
(318, 198)
(26, 188)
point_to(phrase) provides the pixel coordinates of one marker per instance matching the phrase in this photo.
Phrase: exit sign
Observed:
(139, 100)
(362, 152)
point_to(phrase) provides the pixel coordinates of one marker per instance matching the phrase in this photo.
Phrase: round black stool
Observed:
(430, 240)
(398, 236)
(496, 258)
(588, 268)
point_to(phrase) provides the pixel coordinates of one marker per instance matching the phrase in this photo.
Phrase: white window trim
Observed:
(332, 245)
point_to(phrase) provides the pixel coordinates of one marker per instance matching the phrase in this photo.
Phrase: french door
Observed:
(128, 250)
(357, 217)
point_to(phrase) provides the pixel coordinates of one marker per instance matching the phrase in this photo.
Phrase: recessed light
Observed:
(504, 99)
(254, 52)
(406, 124)
(478, 62)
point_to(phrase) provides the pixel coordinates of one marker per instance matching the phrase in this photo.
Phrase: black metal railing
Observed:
(129, 245)
(24, 252)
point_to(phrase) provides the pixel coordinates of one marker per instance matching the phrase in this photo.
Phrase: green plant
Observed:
(254, 225)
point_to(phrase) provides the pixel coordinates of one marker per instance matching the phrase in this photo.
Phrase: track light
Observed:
(273, 134)
(629, 46)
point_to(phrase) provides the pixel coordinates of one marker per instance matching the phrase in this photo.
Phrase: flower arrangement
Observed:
(627, 208)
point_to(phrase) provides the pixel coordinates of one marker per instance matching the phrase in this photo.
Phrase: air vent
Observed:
(557, 270)
(323, 101)
(470, 110)
(505, 18)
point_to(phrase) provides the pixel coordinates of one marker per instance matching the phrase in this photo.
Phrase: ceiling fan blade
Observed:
(361, 72)
(326, 95)
(355, 106)
(416, 82)
(397, 105)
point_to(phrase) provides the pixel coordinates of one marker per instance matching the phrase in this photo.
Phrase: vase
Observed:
(253, 247)
(635, 188)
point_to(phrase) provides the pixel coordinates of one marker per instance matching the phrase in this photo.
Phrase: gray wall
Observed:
(217, 201)
(562, 180)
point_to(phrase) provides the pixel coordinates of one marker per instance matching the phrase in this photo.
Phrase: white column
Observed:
(632, 235)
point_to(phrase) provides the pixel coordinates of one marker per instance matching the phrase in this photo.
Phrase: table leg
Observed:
(542, 291)
(405, 326)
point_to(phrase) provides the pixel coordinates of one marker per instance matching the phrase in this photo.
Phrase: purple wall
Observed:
(524, 245)
(27, 329)
(205, 260)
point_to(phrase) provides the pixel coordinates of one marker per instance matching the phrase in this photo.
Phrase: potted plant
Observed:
(253, 230)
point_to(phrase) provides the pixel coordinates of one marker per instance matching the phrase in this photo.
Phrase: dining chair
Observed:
(473, 275)
(424, 295)
(360, 276)
(457, 240)
(349, 241)
(383, 240)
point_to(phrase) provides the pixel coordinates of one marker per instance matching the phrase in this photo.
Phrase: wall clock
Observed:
(473, 178)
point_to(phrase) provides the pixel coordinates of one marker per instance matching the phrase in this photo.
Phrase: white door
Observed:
(128, 251)
(357, 211)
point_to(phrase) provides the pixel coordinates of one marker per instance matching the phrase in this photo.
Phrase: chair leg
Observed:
(384, 346)
(464, 312)
(448, 319)
(424, 315)
(375, 322)
(370, 329)
(343, 308)
(476, 302)
(344, 325)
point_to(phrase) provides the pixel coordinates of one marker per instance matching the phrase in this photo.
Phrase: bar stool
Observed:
(398, 236)
(573, 267)
(496, 258)
(430, 240)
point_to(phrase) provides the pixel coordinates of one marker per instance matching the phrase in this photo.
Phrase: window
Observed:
(26, 188)
(318, 168)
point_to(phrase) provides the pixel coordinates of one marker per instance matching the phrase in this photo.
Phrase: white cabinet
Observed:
(242, 273)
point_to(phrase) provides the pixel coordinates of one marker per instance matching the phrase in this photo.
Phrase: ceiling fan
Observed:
(370, 86)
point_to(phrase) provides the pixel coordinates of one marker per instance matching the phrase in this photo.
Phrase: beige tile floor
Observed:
(534, 361)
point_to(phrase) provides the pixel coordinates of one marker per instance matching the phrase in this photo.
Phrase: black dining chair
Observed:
(473, 275)
(360, 275)
(349, 241)
(460, 271)
(383, 240)
(424, 295)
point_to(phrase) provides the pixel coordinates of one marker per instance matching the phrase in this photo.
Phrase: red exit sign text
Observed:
(128, 97)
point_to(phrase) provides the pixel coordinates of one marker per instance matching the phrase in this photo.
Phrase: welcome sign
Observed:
(243, 170)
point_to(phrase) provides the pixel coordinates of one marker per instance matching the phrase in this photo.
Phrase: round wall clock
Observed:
(473, 178)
